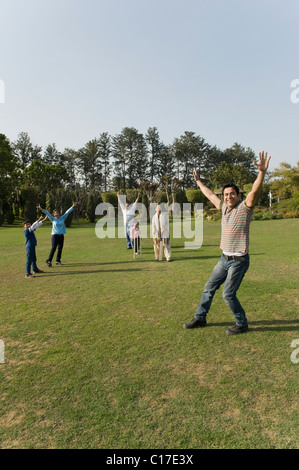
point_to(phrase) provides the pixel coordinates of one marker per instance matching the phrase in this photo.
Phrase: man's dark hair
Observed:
(231, 185)
(26, 222)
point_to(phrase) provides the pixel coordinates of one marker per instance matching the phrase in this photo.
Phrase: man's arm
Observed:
(207, 192)
(262, 166)
(120, 202)
(45, 212)
(134, 203)
(137, 198)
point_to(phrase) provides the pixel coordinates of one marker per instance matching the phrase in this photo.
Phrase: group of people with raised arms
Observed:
(231, 267)
(57, 238)
(160, 229)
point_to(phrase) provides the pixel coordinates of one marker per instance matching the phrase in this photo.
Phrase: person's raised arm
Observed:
(207, 192)
(45, 212)
(42, 218)
(120, 202)
(64, 216)
(37, 223)
(262, 166)
(137, 198)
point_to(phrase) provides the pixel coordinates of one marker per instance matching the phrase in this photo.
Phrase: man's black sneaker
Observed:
(195, 323)
(236, 329)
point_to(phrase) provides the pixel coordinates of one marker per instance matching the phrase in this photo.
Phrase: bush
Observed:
(131, 195)
(194, 195)
(212, 215)
(287, 205)
(266, 215)
(276, 215)
(291, 215)
(160, 196)
(294, 202)
(10, 217)
(180, 197)
(91, 207)
(110, 197)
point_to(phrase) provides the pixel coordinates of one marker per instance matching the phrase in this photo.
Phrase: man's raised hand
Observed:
(263, 162)
(196, 177)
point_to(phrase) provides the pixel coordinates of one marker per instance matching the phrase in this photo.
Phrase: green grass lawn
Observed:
(96, 355)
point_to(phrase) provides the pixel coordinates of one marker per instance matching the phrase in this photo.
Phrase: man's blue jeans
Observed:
(128, 236)
(231, 273)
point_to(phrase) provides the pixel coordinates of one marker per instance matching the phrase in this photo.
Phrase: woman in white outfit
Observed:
(160, 233)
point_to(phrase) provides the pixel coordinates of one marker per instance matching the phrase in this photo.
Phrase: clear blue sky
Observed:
(73, 69)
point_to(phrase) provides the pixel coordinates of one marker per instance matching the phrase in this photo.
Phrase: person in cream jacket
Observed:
(160, 234)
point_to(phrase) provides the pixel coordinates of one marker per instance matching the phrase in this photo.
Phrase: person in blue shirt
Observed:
(31, 244)
(58, 231)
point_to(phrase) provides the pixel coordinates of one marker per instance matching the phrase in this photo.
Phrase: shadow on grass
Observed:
(140, 260)
(275, 325)
(67, 273)
(131, 261)
(266, 325)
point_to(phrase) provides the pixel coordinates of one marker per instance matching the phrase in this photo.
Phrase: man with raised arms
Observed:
(234, 262)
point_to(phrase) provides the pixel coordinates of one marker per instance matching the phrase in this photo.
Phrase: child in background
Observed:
(135, 236)
(31, 244)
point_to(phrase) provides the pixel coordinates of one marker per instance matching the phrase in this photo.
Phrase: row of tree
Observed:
(126, 161)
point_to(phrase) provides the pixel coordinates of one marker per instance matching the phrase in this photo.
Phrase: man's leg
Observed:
(156, 248)
(236, 273)
(217, 278)
(167, 249)
(128, 237)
